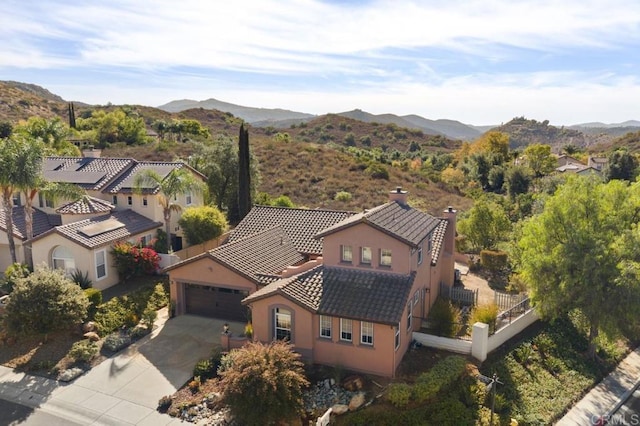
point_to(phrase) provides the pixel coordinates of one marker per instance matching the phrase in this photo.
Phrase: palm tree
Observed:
(178, 181)
(20, 166)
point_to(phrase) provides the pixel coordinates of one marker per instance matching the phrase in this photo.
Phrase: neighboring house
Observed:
(80, 233)
(598, 163)
(355, 302)
(567, 159)
(567, 164)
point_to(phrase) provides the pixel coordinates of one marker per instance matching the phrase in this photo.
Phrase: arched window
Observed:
(62, 258)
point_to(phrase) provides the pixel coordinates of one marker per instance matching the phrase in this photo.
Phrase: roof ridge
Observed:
(250, 236)
(304, 209)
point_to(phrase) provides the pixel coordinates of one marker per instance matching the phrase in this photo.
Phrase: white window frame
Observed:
(420, 255)
(103, 264)
(280, 318)
(325, 327)
(385, 253)
(363, 258)
(366, 333)
(397, 337)
(346, 328)
(409, 315)
(68, 263)
(188, 198)
(416, 297)
(346, 253)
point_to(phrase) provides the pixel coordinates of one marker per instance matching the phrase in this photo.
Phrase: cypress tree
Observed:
(72, 116)
(244, 173)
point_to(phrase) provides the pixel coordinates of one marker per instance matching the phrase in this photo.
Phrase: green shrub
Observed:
(14, 272)
(377, 171)
(149, 316)
(445, 318)
(202, 223)
(83, 350)
(112, 315)
(399, 394)
(441, 376)
(493, 261)
(524, 353)
(82, 279)
(342, 196)
(164, 403)
(448, 412)
(159, 298)
(486, 314)
(95, 299)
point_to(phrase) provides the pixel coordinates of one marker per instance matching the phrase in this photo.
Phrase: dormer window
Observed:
(347, 254)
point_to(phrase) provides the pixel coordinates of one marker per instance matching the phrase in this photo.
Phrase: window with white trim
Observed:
(365, 255)
(188, 198)
(385, 257)
(420, 256)
(325, 326)
(346, 330)
(409, 314)
(397, 338)
(101, 264)
(416, 297)
(366, 333)
(62, 258)
(346, 254)
(45, 201)
(282, 324)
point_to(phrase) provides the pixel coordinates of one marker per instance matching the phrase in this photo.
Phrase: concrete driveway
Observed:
(125, 389)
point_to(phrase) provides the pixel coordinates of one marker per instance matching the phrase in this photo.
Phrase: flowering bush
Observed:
(133, 259)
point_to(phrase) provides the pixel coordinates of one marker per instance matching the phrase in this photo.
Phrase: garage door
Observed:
(216, 302)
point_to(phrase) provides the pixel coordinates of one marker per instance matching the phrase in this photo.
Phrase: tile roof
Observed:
(42, 222)
(125, 182)
(86, 205)
(396, 219)
(99, 231)
(345, 292)
(86, 172)
(258, 257)
(301, 225)
(438, 240)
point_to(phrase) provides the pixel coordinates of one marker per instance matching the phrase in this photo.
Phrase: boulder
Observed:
(89, 326)
(92, 335)
(353, 383)
(339, 409)
(357, 401)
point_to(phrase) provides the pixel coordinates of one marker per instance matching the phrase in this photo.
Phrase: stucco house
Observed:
(80, 233)
(361, 286)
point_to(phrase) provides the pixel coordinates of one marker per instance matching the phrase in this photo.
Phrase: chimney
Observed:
(450, 236)
(91, 152)
(398, 195)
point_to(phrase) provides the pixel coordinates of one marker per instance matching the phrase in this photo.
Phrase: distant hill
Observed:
(249, 114)
(358, 114)
(523, 132)
(452, 128)
(599, 125)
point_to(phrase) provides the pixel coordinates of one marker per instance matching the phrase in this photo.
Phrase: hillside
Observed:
(630, 141)
(452, 128)
(523, 132)
(19, 101)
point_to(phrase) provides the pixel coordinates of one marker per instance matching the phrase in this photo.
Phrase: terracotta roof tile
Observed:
(301, 225)
(438, 240)
(86, 205)
(344, 292)
(124, 182)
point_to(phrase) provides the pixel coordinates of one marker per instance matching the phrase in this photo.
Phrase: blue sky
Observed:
(480, 62)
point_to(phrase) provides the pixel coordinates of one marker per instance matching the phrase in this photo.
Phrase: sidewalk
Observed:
(606, 395)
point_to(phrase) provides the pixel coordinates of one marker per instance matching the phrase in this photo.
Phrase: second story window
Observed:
(420, 256)
(45, 202)
(188, 199)
(347, 254)
(365, 256)
(346, 330)
(114, 200)
(145, 201)
(325, 326)
(129, 200)
(16, 199)
(385, 257)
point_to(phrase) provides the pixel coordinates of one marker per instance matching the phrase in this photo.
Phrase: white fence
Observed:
(481, 343)
(325, 419)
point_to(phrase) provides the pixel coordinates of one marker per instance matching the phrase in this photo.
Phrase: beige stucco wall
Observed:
(204, 271)
(5, 254)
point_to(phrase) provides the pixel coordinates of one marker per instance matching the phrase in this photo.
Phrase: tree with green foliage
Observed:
(178, 181)
(517, 181)
(539, 159)
(263, 384)
(121, 125)
(43, 302)
(485, 225)
(6, 129)
(244, 173)
(583, 252)
(202, 224)
(621, 164)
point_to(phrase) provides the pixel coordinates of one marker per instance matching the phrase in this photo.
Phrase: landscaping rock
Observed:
(89, 326)
(353, 383)
(70, 374)
(339, 409)
(357, 401)
(91, 335)
(320, 397)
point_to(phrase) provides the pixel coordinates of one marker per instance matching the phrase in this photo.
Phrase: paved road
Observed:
(12, 413)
